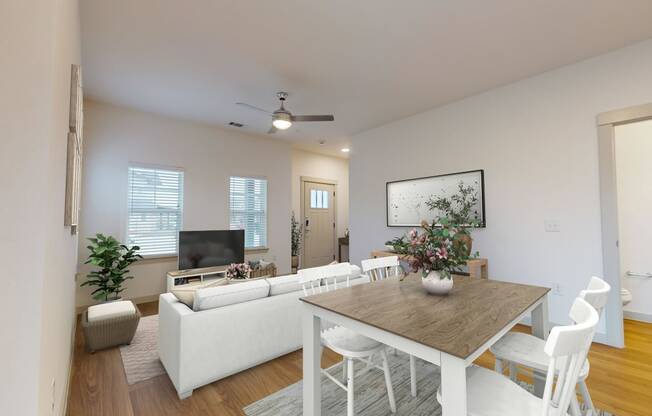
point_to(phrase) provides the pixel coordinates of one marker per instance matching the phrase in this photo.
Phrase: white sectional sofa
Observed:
(230, 328)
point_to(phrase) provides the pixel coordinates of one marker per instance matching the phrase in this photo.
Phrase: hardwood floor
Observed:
(619, 381)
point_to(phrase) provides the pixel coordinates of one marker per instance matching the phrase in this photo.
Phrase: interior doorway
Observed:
(318, 214)
(621, 203)
(633, 149)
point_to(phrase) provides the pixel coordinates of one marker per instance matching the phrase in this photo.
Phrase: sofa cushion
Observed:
(110, 310)
(283, 284)
(355, 272)
(218, 296)
(186, 293)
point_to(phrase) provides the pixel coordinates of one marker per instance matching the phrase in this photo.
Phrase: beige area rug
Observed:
(370, 394)
(140, 359)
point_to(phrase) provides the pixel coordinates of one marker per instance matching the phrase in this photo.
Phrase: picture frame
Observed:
(405, 199)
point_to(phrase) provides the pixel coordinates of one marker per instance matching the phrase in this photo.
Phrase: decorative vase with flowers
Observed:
(435, 253)
(238, 271)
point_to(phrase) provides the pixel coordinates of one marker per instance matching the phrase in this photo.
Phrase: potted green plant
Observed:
(460, 211)
(112, 260)
(296, 230)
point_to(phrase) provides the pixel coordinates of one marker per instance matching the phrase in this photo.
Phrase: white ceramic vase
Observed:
(436, 284)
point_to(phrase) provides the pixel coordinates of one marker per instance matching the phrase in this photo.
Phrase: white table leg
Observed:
(311, 364)
(453, 386)
(540, 329)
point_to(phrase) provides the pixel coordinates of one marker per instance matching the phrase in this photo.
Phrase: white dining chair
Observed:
(381, 268)
(526, 350)
(350, 345)
(492, 394)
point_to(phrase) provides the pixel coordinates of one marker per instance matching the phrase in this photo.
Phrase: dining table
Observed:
(449, 331)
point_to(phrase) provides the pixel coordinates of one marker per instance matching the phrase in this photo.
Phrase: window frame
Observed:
(125, 227)
(257, 249)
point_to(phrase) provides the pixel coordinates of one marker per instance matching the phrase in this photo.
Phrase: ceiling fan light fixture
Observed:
(282, 124)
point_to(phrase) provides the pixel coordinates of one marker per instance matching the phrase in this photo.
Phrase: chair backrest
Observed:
(570, 346)
(596, 294)
(311, 279)
(381, 267)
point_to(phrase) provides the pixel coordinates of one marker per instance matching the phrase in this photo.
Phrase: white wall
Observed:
(116, 136)
(40, 40)
(537, 142)
(633, 149)
(323, 167)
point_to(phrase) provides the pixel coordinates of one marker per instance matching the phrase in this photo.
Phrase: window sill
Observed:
(256, 250)
(157, 258)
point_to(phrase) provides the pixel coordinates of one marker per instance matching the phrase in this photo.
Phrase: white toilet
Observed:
(625, 295)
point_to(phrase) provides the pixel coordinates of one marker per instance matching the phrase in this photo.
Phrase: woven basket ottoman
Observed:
(110, 324)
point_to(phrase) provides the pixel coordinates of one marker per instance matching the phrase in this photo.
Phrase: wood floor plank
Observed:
(618, 381)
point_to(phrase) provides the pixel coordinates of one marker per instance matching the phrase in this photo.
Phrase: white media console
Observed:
(182, 277)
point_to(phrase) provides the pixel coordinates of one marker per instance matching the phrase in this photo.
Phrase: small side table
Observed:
(342, 241)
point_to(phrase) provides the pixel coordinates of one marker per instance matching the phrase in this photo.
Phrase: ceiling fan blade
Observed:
(252, 107)
(314, 118)
(272, 130)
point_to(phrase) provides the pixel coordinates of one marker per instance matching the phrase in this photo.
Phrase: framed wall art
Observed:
(407, 199)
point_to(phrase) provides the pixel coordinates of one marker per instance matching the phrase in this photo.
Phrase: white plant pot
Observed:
(435, 284)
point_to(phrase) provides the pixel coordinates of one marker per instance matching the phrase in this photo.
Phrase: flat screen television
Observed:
(199, 249)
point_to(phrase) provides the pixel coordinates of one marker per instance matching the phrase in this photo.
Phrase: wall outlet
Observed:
(551, 226)
(557, 289)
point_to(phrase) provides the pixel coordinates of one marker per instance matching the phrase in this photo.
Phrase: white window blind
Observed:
(155, 209)
(248, 208)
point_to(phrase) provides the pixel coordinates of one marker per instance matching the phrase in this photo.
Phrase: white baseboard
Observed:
(637, 316)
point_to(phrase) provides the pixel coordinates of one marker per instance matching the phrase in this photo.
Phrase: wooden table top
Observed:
(457, 324)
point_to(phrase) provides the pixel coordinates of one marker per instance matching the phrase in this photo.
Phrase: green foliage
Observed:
(297, 231)
(112, 260)
(399, 244)
(459, 208)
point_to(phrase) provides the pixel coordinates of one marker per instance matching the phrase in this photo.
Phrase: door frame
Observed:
(302, 197)
(606, 123)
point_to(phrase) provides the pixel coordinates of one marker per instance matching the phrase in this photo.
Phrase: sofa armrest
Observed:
(170, 333)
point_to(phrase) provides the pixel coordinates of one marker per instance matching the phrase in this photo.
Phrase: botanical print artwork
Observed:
(407, 201)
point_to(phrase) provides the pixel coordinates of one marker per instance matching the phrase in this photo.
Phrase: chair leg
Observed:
(499, 366)
(574, 408)
(512, 371)
(388, 381)
(349, 388)
(413, 376)
(586, 396)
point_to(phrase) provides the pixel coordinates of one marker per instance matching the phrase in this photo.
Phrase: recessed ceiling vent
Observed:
(235, 124)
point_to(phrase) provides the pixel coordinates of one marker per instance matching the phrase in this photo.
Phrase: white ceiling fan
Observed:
(282, 119)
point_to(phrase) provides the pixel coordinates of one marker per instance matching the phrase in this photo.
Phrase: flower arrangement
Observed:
(238, 271)
(434, 249)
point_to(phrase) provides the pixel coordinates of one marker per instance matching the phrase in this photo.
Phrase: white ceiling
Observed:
(367, 62)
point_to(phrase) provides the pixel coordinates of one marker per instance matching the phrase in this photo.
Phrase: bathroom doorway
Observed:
(625, 156)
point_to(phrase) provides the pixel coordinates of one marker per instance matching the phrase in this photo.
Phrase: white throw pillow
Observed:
(186, 293)
(216, 297)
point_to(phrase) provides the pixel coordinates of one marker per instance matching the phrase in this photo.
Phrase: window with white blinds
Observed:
(248, 208)
(155, 209)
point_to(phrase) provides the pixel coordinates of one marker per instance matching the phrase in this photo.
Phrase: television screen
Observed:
(199, 249)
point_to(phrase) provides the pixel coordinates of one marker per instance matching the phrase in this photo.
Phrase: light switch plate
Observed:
(551, 226)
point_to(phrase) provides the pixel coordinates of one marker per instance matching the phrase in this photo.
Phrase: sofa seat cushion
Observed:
(218, 296)
(284, 284)
(110, 310)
